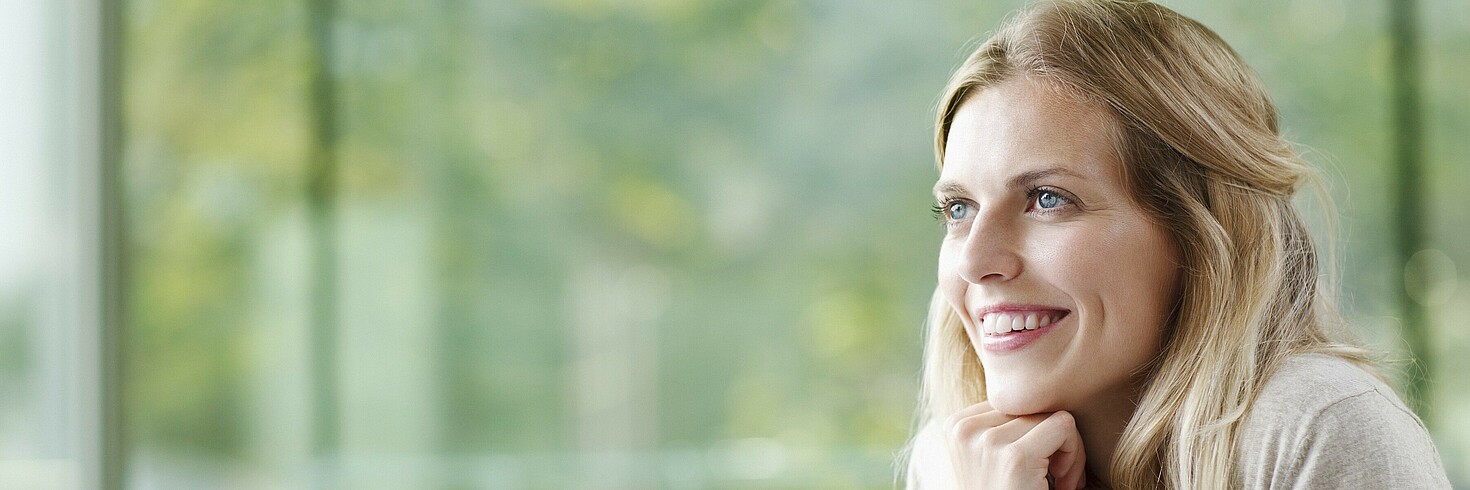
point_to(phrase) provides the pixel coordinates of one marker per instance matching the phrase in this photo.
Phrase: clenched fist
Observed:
(992, 450)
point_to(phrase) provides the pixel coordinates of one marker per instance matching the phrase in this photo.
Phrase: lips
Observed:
(1009, 328)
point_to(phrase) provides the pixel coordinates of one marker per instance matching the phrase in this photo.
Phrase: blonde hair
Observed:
(1202, 157)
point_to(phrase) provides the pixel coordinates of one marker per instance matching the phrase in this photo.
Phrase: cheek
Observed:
(1126, 274)
(950, 283)
(1076, 261)
(1144, 263)
(1151, 264)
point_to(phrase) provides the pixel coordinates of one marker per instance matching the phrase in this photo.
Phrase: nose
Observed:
(989, 252)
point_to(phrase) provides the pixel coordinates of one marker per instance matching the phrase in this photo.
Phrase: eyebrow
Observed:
(1023, 179)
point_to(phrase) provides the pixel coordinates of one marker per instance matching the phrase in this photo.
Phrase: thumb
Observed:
(1057, 439)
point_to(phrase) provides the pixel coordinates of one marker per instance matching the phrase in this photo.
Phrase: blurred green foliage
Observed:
(692, 235)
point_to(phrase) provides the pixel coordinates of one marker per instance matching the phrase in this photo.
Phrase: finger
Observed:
(1012, 430)
(966, 423)
(967, 438)
(1069, 469)
(964, 431)
(976, 409)
(1056, 438)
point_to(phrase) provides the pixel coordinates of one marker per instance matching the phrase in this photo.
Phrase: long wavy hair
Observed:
(1204, 159)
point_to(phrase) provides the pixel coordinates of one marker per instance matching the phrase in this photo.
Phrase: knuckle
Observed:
(965, 427)
(957, 429)
(951, 421)
(990, 440)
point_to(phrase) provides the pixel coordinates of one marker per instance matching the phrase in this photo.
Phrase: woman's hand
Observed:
(992, 450)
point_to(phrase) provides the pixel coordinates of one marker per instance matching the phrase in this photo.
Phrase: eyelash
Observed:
(938, 210)
(1063, 196)
(942, 216)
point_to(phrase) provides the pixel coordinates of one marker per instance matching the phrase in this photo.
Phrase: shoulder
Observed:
(1320, 422)
(1307, 384)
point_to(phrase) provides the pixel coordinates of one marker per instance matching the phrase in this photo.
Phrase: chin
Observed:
(1021, 402)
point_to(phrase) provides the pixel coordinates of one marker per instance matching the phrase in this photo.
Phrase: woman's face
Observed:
(1062, 282)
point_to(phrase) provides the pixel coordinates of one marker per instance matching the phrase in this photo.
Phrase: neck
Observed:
(1101, 423)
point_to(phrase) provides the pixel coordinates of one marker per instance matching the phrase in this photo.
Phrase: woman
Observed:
(1127, 296)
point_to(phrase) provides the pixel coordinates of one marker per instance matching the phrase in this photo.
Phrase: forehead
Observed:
(1026, 124)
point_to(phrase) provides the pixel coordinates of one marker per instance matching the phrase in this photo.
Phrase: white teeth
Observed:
(1001, 323)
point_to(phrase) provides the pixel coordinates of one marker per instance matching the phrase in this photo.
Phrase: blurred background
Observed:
(581, 243)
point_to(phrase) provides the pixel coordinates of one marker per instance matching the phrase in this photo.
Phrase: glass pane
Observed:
(599, 244)
(49, 329)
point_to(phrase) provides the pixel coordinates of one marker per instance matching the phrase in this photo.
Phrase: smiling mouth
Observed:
(1005, 322)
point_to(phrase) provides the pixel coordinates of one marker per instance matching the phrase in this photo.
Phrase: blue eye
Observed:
(1048, 200)
(950, 211)
(957, 210)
